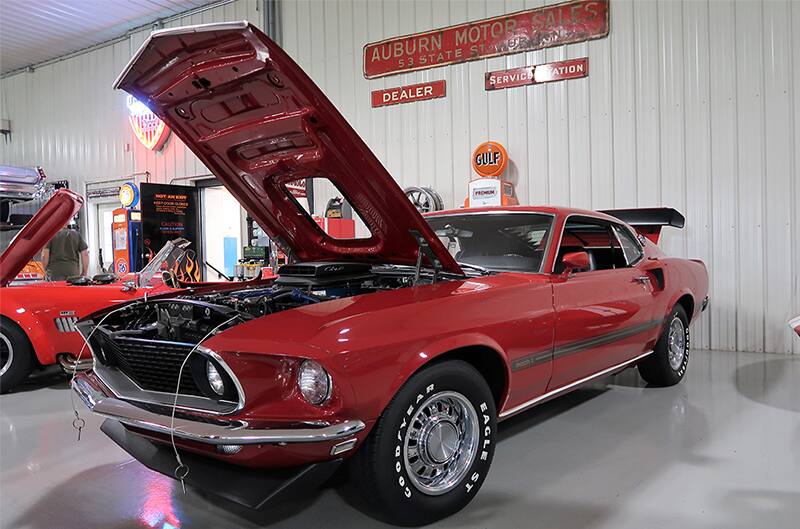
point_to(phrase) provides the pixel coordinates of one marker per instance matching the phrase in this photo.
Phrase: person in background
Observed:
(66, 255)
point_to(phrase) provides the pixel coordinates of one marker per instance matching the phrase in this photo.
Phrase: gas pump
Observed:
(127, 240)
(490, 160)
(126, 232)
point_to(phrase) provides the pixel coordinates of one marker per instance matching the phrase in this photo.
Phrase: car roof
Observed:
(551, 210)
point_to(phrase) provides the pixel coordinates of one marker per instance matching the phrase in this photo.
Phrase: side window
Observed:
(631, 249)
(593, 236)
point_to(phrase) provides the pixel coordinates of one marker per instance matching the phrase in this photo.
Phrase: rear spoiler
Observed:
(648, 221)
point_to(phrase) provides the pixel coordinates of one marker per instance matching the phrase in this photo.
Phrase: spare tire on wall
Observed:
(425, 199)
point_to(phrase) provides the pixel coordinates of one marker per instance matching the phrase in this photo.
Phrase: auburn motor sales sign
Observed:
(533, 29)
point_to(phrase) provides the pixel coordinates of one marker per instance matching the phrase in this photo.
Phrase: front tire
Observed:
(431, 449)
(667, 365)
(16, 356)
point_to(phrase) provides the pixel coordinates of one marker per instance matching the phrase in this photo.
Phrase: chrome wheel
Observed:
(441, 442)
(6, 354)
(424, 199)
(677, 344)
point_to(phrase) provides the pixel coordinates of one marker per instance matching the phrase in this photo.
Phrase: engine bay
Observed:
(189, 318)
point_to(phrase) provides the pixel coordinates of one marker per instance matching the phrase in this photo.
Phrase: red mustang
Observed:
(400, 350)
(37, 320)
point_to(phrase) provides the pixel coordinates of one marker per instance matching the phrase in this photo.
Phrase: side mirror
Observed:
(574, 261)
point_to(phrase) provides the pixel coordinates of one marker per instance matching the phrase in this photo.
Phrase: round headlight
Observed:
(215, 379)
(314, 382)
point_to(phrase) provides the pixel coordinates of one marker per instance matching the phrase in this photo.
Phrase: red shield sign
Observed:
(147, 127)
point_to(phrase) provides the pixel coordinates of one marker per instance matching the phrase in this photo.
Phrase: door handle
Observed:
(642, 279)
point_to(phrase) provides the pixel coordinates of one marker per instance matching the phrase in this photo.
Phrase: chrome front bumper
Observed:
(216, 433)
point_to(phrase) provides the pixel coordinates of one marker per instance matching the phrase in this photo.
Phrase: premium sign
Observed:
(407, 94)
(485, 192)
(533, 29)
(542, 73)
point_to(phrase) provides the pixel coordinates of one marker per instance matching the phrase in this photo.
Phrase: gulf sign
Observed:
(489, 159)
(409, 93)
(541, 73)
(532, 29)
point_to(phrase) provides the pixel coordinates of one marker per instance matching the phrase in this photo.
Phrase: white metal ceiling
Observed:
(33, 31)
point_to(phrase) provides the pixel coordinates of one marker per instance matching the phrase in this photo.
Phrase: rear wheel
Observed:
(667, 365)
(16, 356)
(431, 449)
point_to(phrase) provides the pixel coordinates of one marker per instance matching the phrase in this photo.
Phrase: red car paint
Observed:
(794, 324)
(270, 126)
(265, 123)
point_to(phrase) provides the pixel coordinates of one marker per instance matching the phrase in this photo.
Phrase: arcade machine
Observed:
(127, 241)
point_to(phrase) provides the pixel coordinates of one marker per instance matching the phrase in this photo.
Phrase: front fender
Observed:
(34, 328)
(416, 360)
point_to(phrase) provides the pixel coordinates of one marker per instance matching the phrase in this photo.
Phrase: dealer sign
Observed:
(408, 94)
(533, 29)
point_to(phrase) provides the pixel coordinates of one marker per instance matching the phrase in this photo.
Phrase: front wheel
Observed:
(431, 449)
(16, 356)
(670, 358)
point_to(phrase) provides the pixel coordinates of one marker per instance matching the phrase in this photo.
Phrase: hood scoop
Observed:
(323, 274)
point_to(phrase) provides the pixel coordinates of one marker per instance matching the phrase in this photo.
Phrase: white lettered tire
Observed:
(432, 447)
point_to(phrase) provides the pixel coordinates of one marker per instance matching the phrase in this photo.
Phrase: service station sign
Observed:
(532, 29)
(541, 73)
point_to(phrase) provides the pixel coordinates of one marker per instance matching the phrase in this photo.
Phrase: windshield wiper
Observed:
(482, 270)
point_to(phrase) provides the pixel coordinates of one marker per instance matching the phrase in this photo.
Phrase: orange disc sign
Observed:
(489, 159)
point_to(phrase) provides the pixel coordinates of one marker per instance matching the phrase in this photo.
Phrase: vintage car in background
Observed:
(37, 319)
(399, 351)
(22, 190)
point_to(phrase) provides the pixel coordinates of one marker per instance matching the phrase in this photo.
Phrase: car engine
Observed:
(188, 318)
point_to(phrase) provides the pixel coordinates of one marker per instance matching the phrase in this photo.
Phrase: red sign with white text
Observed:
(561, 70)
(541, 73)
(408, 94)
(509, 78)
(533, 29)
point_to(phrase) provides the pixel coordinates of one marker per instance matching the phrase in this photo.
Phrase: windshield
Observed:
(513, 242)
(168, 258)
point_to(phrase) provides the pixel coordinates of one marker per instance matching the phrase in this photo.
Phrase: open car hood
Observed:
(53, 216)
(257, 121)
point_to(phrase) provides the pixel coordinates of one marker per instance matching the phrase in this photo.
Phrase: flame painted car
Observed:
(399, 351)
(37, 319)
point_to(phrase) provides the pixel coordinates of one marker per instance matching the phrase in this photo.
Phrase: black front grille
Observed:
(153, 365)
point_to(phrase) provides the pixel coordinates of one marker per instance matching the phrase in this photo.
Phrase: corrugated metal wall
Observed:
(690, 104)
(66, 118)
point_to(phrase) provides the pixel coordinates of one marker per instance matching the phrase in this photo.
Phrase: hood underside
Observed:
(258, 122)
(53, 216)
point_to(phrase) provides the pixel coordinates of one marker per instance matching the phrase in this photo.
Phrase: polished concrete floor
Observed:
(720, 450)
